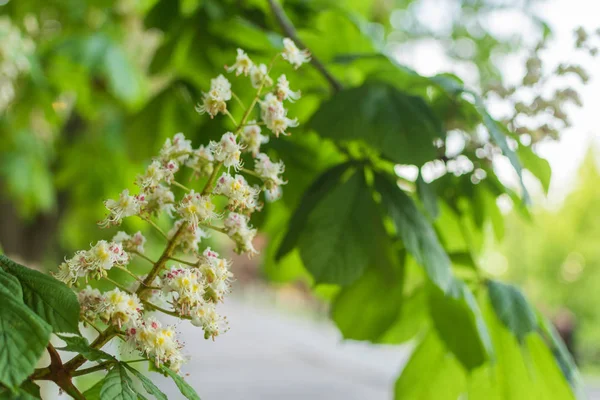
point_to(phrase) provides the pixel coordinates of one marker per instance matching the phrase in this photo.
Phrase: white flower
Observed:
(160, 199)
(241, 195)
(258, 74)
(155, 173)
(130, 243)
(275, 115)
(90, 300)
(201, 161)
(195, 207)
(187, 287)
(293, 55)
(251, 137)
(120, 308)
(273, 193)
(178, 149)
(215, 101)
(126, 206)
(283, 90)
(268, 170)
(227, 151)
(205, 316)
(241, 233)
(243, 63)
(189, 238)
(217, 275)
(157, 342)
(102, 257)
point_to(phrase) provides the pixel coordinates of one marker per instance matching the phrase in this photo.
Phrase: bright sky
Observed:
(564, 16)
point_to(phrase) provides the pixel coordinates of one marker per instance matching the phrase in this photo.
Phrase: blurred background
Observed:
(90, 90)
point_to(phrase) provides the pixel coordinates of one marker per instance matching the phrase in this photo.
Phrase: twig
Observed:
(87, 321)
(288, 28)
(179, 185)
(95, 368)
(191, 264)
(162, 233)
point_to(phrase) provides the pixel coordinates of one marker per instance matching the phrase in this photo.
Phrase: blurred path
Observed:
(267, 355)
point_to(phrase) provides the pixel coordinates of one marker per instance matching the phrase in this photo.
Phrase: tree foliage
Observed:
(107, 88)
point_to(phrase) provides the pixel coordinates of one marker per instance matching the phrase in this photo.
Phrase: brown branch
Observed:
(288, 28)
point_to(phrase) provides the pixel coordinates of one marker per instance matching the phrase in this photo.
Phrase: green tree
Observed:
(108, 84)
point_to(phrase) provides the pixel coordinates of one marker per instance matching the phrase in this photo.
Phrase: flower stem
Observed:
(179, 185)
(144, 257)
(191, 264)
(240, 102)
(162, 233)
(95, 368)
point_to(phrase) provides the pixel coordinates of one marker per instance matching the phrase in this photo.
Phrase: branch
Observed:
(288, 28)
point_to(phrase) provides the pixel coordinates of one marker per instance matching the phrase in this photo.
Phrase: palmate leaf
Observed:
(402, 127)
(334, 245)
(23, 338)
(117, 385)
(317, 190)
(416, 232)
(460, 325)
(150, 387)
(512, 309)
(52, 300)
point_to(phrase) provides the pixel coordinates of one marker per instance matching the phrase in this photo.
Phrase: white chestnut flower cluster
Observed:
(231, 193)
(15, 49)
(93, 263)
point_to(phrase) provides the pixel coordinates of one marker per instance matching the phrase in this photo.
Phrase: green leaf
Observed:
(23, 339)
(432, 373)
(79, 344)
(415, 231)
(313, 195)
(50, 299)
(512, 309)
(121, 74)
(459, 323)
(150, 387)
(427, 197)
(538, 166)
(27, 391)
(413, 317)
(334, 243)
(93, 393)
(367, 308)
(402, 127)
(10, 285)
(186, 390)
(117, 385)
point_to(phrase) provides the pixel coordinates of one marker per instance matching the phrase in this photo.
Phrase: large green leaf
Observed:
(150, 387)
(459, 323)
(313, 195)
(93, 393)
(367, 308)
(512, 309)
(522, 371)
(23, 338)
(79, 344)
(10, 285)
(50, 299)
(402, 127)
(411, 320)
(186, 390)
(334, 242)
(432, 373)
(117, 385)
(415, 231)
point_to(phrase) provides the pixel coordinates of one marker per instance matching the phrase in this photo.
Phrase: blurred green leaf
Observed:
(401, 126)
(512, 309)
(416, 233)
